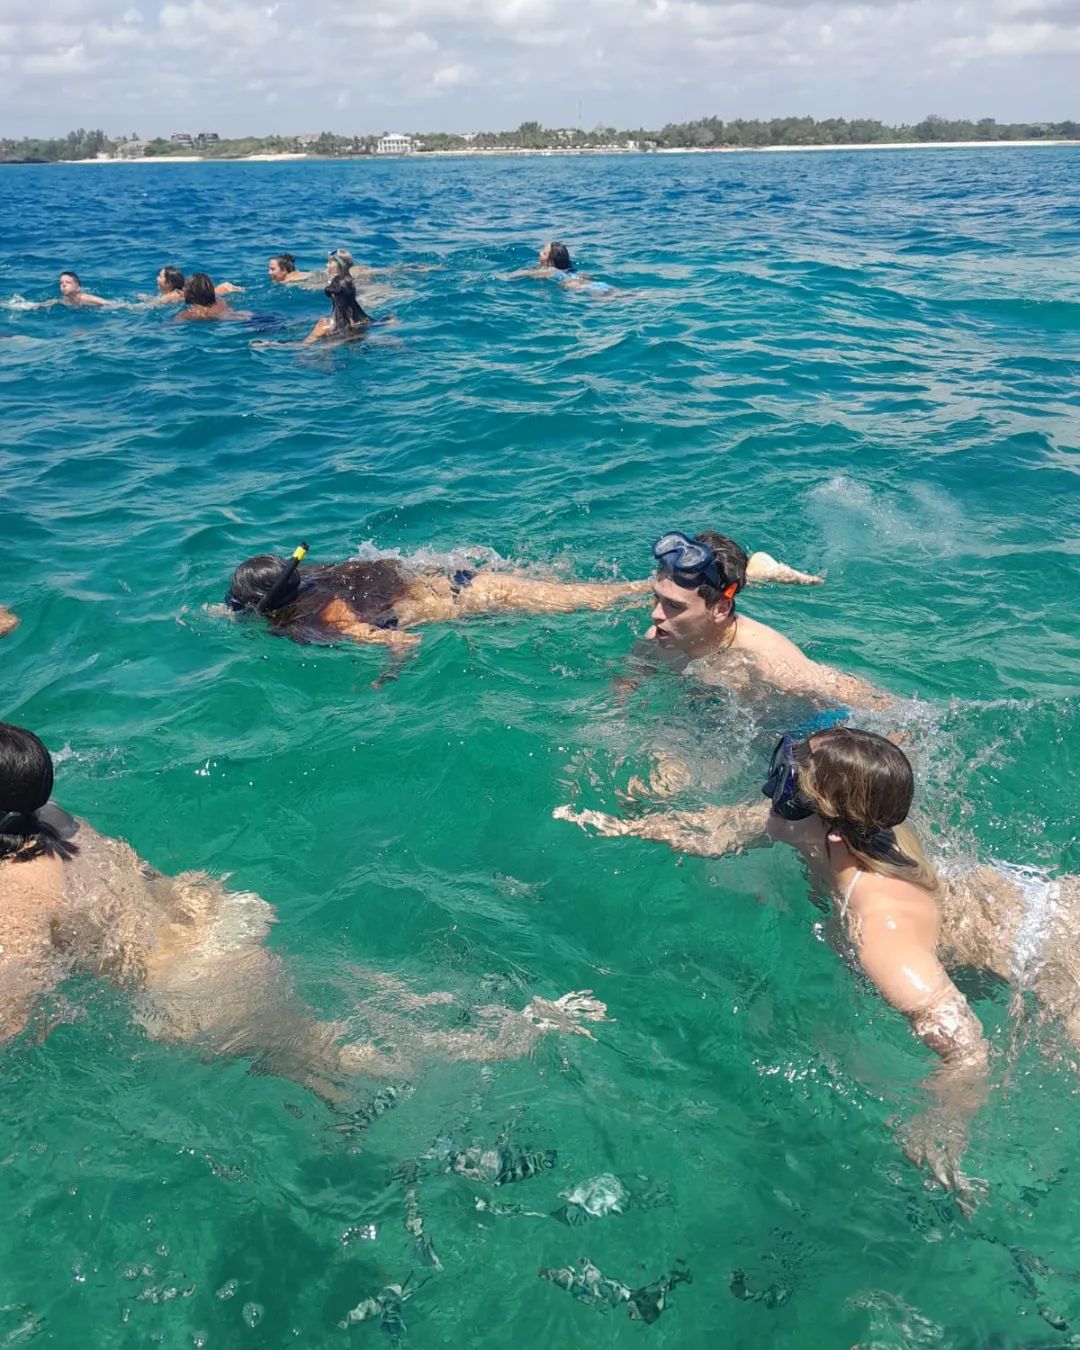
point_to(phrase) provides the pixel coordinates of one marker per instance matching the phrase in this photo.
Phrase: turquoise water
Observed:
(865, 363)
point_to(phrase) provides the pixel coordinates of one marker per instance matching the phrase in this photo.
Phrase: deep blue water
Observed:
(865, 363)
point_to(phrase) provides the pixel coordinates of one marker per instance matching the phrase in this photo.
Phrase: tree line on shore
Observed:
(708, 133)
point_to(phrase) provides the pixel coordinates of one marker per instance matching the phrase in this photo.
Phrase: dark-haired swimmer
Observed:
(380, 600)
(170, 287)
(72, 293)
(203, 302)
(192, 956)
(841, 799)
(347, 318)
(8, 621)
(281, 269)
(694, 620)
(554, 264)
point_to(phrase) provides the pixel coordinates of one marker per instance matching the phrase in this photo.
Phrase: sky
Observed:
(240, 67)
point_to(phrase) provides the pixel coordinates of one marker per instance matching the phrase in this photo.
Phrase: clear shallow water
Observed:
(863, 363)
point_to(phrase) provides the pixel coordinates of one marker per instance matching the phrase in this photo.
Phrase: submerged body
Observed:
(8, 621)
(192, 956)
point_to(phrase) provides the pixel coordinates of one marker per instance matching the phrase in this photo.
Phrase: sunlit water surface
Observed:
(867, 364)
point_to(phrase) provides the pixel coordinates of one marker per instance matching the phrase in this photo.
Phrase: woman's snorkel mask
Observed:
(690, 562)
(782, 784)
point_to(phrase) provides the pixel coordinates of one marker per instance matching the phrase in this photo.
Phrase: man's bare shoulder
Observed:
(765, 644)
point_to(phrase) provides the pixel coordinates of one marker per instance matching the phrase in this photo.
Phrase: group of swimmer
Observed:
(203, 299)
(193, 956)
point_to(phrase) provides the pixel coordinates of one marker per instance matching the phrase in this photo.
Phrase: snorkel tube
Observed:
(277, 590)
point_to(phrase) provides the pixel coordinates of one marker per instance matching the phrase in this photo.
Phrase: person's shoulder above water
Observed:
(203, 302)
(72, 293)
(282, 270)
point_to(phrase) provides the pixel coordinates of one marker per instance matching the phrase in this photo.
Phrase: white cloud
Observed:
(463, 64)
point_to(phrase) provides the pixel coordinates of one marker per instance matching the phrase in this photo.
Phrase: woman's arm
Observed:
(905, 969)
(492, 592)
(712, 833)
(227, 288)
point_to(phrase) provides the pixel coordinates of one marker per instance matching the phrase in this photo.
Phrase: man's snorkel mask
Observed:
(690, 563)
(782, 784)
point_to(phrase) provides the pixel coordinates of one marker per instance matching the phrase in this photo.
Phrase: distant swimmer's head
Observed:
(696, 582)
(346, 308)
(280, 266)
(556, 255)
(70, 283)
(27, 829)
(339, 263)
(199, 290)
(169, 280)
(851, 787)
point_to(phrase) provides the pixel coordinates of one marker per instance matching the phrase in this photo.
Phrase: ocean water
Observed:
(867, 364)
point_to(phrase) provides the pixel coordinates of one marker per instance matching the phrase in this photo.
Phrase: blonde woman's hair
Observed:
(862, 786)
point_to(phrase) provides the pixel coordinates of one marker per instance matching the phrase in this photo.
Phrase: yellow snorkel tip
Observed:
(300, 552)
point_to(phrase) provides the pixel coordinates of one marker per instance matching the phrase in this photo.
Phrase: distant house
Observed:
(132, 149)
(307, 139)
(182, 138)
(393, 143)
(207, 138)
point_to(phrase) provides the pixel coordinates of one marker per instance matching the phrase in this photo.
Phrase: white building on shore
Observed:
(394, 143)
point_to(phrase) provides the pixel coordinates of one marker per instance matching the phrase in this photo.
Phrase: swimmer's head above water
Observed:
(556, 255)
(339, 263)
(851, 787)
(696, 582)
(280, 266)
(170, 280)
(70, 283)
(29, 826)
(199, 290)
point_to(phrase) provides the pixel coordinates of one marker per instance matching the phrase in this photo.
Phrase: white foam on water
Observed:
(922, 519)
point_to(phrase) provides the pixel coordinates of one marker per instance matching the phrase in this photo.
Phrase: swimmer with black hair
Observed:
(555, 264)
(170, 287)
(203, 302)
(192, 956)
(73, 295)
(8, 621)
(282, 270)
(347, 319)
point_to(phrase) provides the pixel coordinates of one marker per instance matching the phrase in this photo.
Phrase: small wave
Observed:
(925, 520)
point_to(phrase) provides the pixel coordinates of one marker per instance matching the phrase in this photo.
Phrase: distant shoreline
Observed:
(504, 153)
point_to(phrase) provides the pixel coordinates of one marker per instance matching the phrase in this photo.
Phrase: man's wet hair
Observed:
(173, 278)
(73, 275)
(559, 256)
(285, 261)
(199, 290)
(731, 561)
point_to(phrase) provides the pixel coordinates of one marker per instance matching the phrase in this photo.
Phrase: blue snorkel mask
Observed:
(690, 562)
(782, 784)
